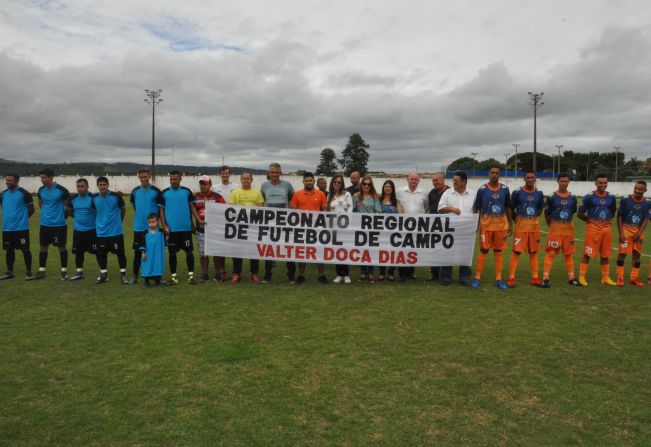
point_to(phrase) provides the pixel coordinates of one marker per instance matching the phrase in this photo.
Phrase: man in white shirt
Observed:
(414, 200)
(225, 187)
(457, 200)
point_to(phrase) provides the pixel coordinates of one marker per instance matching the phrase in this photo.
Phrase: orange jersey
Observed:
(491, 222)
(561, 228)
(526, 224)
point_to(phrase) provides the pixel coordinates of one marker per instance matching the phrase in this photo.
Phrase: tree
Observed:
(355, 156)
(327, 165)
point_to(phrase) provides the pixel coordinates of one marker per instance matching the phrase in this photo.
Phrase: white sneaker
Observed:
(347, 280)
(337, 279)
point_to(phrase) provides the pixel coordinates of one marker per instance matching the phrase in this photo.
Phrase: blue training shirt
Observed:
(83, 210)
(14, 204)
(633, 212)
(177, 208)
(144, 202)
(109, 214)
(53, 202)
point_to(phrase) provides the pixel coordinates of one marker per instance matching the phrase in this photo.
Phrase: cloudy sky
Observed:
(424, 82)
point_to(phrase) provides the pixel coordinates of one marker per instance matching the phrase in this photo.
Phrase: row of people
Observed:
(98, 222)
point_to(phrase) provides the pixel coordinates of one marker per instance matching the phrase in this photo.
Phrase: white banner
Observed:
(322, 237)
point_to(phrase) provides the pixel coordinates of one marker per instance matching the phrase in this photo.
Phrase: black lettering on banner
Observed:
(242, 232)
(365, 223)
(280, 218)
(293, 219)
(373, 238)
(229, 214)
(360, 238)
(448, 241)
(256, 217)
(262, 232)
(230, 231)
(343, 221)
(335, 241)
(268, 216)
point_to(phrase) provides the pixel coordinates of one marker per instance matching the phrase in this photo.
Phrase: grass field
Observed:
(383, 364)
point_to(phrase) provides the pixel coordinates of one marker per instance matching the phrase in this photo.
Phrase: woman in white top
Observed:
(340, 201)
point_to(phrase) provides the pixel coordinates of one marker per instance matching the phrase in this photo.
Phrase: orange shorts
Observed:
(598, 242)
(492, 239)
(560, 243)
(526, 241)
(629, 245)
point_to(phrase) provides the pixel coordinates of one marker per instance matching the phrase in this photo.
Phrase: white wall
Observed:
(125, 184)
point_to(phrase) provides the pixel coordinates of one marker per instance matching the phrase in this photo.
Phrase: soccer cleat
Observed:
(636, 282)
(323, 279)
(123, 279)
(347, 280)
(582, 281)
(146, 284)
(535, 282)
(173, 281)
(337, 279)
(133, 281)
(64, 276)
(29, 276)
(224, 277)
(607, 281)
(510, 283)
(40, 275)
(545, 284)
(500, 285)
(103, 277)
(574, 282)
(620, 282)
(218, 277)
(7, 275)
(205, 277)
(192, 281)
(300, 279)
(475, 283)
(255, 280)
(76, 277)
(236, 279)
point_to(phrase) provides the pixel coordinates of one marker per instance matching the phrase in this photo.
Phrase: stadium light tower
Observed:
(474, 154)
(535, 100)
(506, 163)
(559, 147)
(617, 148)
(153, 99)
(515, 166)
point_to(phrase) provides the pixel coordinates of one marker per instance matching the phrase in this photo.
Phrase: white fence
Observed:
(125, 184)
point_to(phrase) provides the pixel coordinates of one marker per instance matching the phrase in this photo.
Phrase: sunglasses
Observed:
(336, 181)
(366, 184)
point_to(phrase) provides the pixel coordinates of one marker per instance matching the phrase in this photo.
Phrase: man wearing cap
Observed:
(201, 197)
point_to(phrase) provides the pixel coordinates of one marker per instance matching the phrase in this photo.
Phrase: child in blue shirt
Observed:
(153, 252)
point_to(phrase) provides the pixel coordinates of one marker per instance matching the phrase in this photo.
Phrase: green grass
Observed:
(383, 364)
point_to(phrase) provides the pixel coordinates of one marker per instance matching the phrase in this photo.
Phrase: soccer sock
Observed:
(122, 262)
(11, 258)
(137, 257)
(102, 260)
(79, 259)
(619, 270)
(173, 263)
(42, 260)
(533, 264)
(547, 265)
(499, 261)
(605, 270)
(513, 267)
(481, 261)
(28, 260)
(635, 271)
(189, 260)
(583, 268)
(63, 256)
(569, 263)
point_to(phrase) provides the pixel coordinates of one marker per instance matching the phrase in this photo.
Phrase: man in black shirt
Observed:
(438, 181)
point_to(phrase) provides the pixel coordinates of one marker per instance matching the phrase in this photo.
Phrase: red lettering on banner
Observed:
(328, 254)
(310, 253)
(412, 258)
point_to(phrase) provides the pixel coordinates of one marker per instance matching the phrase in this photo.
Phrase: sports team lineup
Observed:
(169, 220)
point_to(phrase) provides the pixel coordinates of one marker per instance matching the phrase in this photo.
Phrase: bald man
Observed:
(355, 185)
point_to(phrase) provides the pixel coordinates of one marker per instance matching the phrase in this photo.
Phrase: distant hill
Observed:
(26, 168)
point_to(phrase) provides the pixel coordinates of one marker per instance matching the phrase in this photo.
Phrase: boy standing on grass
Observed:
(152, 252)
(559, 210)
(598, 209)
(632, 217)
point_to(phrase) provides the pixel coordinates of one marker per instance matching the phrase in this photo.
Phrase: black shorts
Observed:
(180, 240)
(111, 244)
(84, 241)
(57, 236)
(15, 240)
(138, 240)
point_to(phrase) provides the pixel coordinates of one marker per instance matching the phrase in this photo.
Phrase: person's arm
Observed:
(444, 207)
(123, 211)
(260, 200)
(620, 227)
(582, 210)
(400, 208)
(541, 204)
(640, 231)
(163, 221)
(548, 209)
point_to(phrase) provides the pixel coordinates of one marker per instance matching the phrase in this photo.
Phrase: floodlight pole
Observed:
(515, 167)
(617, 148)
(559, 147)
(506, 164)
(153, 99)
(474, 154)
(535, 100)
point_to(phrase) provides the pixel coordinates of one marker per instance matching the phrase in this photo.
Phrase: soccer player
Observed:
(144, 200)
(52, 199)
(559, 210)
(176, 208)
(224, 188)
(598, 209)
(109, 208)
(17, 207)
(493, 203)
(632, 217)
(84, 235)
(246, 196)
(310, 199)
(277, 193)
(152, 251)
(527, 203)
(201, 197)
